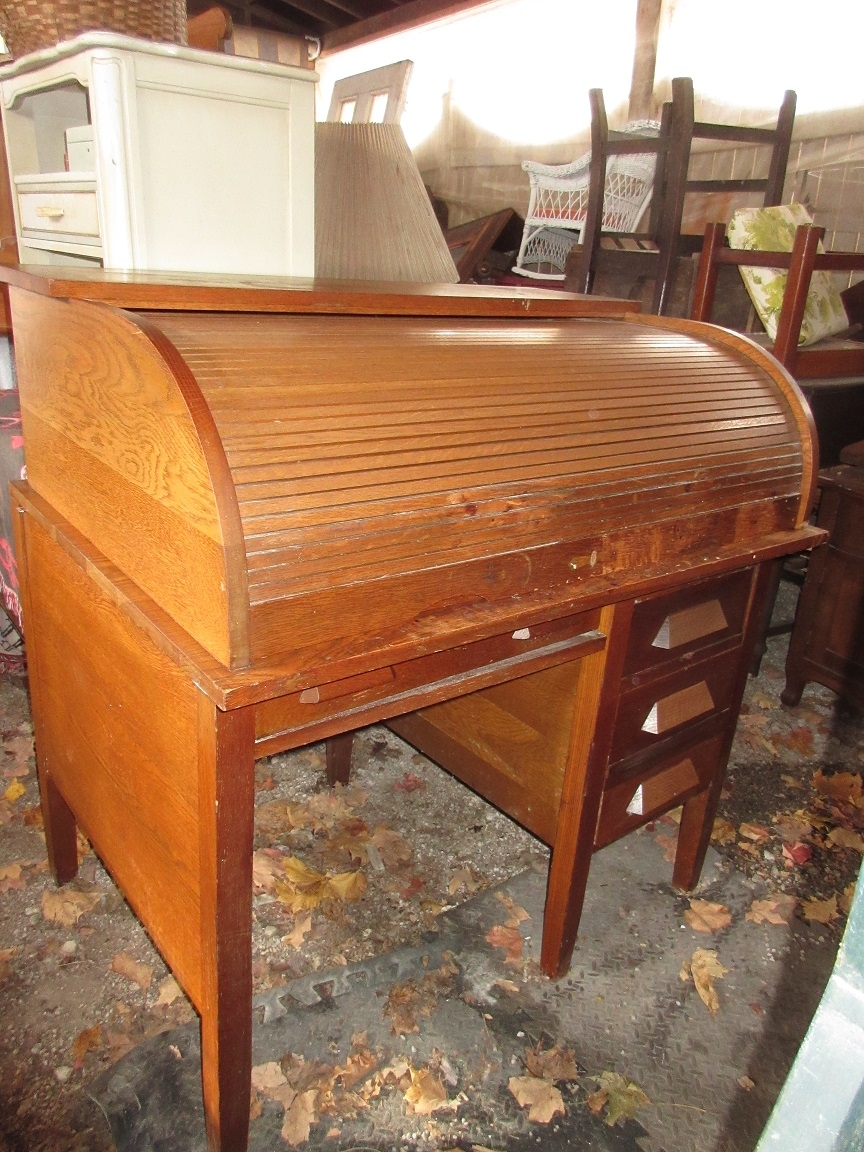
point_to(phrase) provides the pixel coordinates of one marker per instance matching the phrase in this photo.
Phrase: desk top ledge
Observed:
(179, 291)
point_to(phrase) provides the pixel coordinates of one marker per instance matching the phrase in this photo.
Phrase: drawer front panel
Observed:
(660, 709)
(667, 627)
(67, 214)
(665, 785)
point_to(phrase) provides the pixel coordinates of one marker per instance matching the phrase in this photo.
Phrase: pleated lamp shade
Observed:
(373, 217)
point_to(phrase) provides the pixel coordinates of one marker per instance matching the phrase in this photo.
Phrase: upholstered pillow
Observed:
(773, 230)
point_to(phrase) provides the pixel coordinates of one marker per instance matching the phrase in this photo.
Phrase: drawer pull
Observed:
(677, 709)
(522, 634)
(50, 213)
(690, 624)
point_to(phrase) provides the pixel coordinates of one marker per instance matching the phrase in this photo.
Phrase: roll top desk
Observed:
(531, 532)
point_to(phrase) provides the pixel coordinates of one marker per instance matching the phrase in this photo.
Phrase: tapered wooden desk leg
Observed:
(694, 832)
(338, 751)
(61, 832)
(582, 791)
(227, 800)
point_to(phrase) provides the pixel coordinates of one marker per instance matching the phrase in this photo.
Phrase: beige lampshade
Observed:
(373, 217)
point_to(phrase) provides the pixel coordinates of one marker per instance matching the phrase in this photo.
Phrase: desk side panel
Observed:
(113, 443)
(117, 731)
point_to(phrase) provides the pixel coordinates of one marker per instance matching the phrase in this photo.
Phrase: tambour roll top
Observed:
(274, 468)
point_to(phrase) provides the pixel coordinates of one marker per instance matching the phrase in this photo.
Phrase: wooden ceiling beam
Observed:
(410, 15)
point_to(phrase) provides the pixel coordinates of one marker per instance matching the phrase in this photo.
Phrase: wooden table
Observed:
(529, 531)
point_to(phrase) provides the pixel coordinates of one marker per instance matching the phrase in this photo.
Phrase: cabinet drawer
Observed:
(64, 214)
(669, 626)
(666, 784)
(649, 714)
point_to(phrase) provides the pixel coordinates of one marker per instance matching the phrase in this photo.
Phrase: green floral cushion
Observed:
(773, 230)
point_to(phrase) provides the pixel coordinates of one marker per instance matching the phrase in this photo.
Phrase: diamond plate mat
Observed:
(711, 1079)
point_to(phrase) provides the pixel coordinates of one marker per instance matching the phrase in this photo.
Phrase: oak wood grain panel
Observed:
(118, 733)
(509, 742)
(120, 451)
(419, 452)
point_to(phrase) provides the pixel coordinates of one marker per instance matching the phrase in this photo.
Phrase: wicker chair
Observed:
(559, 197)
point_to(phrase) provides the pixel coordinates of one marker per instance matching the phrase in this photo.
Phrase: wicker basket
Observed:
(28, 25)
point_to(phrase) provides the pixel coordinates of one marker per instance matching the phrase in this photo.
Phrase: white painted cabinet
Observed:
(189, 161)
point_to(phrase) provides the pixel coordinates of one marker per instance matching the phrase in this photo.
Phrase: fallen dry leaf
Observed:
(797, 853)
(14, 792)
(746, 1083)
(704, 968)
(463, 878)
(266, 1077)
(620, 1096)
(820, 911)
(266, 869)
(427, 1093)
(300, 1115)
(843, 786)
(669, 844)
(12, 877)
(792, 828)
(510, 939)
(799, 739)
(408, 1000)
(348, 886)
(772, 910)
(301, 929)
(722, 832)
(846, 838)
(125, 965)
(517, 913)
(87, 1041)
(705, 916)
(303, 888)
(558, 1063)
(540, 1097)
(392, 847)
(410, 783)
(507, 985)
(169, 990)
(66, 906)
(755, 832)
(844, 901)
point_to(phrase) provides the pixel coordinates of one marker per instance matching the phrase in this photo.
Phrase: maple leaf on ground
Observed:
(846, 838)
(272, 820)
(722, 832)
(412, 998)
(21, 749)
(799, 739)
(303, 888)
(169, 991)
(66, 906)
(393, 848)
(300, 1115)
(754, 832)
(14, 792)
(844, 786)
(301, 929)
(517, 913)
(619, 1096)
(776, 909)
(427, 1093)
(87, 1041)
(705, 916)
(125, 965)
(266, 869)
(410, 783)
(820, 911)
(463, 878)
(542, 1099)
(704, 968)
(669, 844)
(797, 853)
(12, 878)
(792, 828)
(558, 1063)
(510, 939)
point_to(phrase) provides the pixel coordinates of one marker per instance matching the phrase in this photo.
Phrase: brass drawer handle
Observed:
(50, 213)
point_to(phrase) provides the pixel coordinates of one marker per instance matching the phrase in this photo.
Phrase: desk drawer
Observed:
(66, 214)
(667, 627)
(664, 785)
(648, 715)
